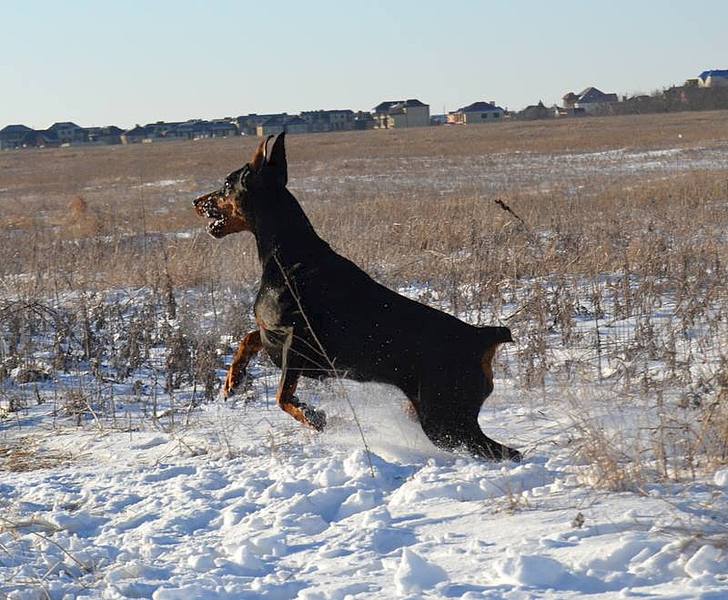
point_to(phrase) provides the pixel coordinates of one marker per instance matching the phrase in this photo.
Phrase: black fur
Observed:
(320, 316)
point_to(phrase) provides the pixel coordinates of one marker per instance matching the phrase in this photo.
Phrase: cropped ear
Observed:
(259, 155)
(277, 160)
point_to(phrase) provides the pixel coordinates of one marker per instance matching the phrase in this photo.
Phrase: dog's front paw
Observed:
(315, 418)
(233, 380)
(228, 389)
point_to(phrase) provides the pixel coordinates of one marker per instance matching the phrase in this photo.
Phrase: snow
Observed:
(415, 574)
(155, 498)
(245, 503)
(165, 183)
(706, 562)
(721, 478)
(530, 571)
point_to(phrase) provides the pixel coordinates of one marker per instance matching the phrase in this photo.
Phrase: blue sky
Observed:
(126, 62)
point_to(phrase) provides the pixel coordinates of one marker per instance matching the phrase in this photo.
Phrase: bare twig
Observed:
(323, 353)
(509, 210)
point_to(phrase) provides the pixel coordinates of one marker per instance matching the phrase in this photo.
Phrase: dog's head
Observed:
(233, 207)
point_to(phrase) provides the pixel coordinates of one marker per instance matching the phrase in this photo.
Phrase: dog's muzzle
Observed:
(206, 206)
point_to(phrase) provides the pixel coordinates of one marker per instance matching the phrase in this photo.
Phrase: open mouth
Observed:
(207, 207)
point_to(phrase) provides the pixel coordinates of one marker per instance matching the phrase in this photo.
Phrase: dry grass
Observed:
(622, 268)
(111, 216)
(25, 455)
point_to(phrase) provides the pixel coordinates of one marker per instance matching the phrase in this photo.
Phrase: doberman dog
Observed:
(319, 315)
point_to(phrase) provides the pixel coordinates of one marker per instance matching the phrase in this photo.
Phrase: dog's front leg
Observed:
(285, 397)
(248, 348)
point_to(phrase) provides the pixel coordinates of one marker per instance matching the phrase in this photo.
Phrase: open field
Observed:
(378, 196)
(122, 474)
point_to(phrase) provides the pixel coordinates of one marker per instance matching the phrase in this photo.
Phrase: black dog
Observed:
(321, 316)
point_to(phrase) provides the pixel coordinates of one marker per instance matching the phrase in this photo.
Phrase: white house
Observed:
(714, 78)
(393, 114)
(477, 112)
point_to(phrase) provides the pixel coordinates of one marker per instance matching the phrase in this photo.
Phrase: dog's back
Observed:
(358, 328)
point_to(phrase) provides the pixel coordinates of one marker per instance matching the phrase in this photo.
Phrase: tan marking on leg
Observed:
(248, 348)
(285, 396)
(301, 412)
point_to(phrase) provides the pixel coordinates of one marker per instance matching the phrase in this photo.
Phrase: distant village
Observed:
(709, 91)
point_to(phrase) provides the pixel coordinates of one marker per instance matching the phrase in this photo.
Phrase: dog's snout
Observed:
(201, 200)
(206, 206)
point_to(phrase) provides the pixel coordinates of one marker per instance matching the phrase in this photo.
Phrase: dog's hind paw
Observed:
(498, 453)
(511, 454)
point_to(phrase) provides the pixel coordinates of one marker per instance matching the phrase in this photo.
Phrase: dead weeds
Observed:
(25, 455)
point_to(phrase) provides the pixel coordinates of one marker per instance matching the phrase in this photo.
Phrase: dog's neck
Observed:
(281, 228)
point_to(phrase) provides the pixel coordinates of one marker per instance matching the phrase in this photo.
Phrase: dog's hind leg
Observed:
(450, 434)
(479, 444)
(285, 397)
(248, 348)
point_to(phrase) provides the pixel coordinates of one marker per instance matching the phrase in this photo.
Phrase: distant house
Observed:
(41, 139)
(222, 128)
(196, 129)
(713, 78)
(279, 124)
(163, 130)
(560, 111)
(104, 135)
(476, 113)
(137, 134)
(591, 100)
(534, 112)
(248, 124)
(12, 136)
(329, 120)
(395, 114)
(244, 125)
(383, 107)
(363, 120)
(380, 113)
(68, 132)
(20, 136)
(189, 130)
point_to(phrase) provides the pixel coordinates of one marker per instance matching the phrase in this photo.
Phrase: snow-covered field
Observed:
(236, 500)
(245, 504)
(502, 172)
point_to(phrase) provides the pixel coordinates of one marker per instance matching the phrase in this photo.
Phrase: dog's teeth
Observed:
(215, 227)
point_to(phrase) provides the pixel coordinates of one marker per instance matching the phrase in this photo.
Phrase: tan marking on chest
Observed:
(486, 363)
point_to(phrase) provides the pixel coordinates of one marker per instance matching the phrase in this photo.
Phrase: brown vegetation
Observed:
(644, 247)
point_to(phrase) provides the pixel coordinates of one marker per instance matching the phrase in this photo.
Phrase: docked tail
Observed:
(492, 336)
